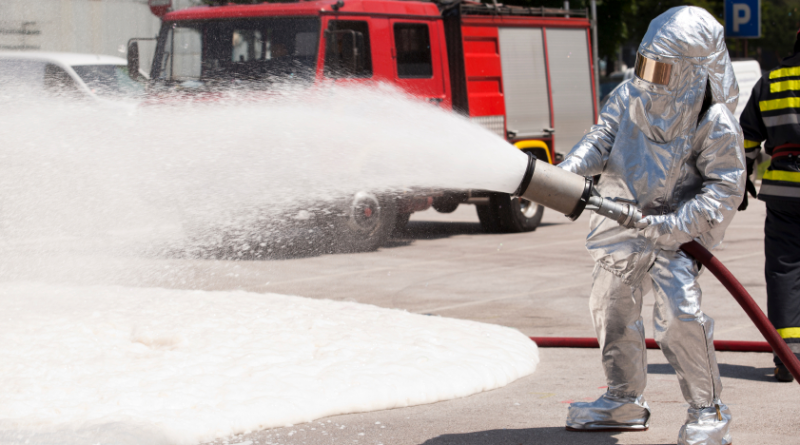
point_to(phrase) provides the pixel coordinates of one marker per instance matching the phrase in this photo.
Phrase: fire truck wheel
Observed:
(488, 218)
(365, 223)
(515, 214)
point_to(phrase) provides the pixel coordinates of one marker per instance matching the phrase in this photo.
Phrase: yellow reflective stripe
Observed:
(751, 144)
(789, 332)
(777, 104)
(786, 85)
(785, 72)
(777, 175)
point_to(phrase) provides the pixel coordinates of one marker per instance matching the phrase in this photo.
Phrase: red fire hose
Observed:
(774, 341)
(591, 343)
(744, 299)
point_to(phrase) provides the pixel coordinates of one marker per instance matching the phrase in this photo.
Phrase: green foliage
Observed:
(613, 18)
(644, 11)
(621, 21)
(779, 25)
(626, 21)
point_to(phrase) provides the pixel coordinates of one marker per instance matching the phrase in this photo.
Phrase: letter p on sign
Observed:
(741, 15)
(743, 18)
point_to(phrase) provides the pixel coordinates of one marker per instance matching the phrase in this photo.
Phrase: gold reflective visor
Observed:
(652, 71)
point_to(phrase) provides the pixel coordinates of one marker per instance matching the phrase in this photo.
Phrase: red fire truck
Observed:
(524, 73)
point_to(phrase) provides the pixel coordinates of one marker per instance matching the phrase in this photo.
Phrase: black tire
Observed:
(488, 218)
(507, 214)
(401, 221)
(445, 204)
(365, 223)
(516, 214)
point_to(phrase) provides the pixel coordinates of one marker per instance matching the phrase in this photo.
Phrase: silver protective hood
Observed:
(692, 42)
(654, 150)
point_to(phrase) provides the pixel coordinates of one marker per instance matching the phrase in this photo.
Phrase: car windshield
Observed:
(109, 80)
(242, 50)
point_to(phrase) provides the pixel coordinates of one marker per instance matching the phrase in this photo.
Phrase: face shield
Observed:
(652, 71)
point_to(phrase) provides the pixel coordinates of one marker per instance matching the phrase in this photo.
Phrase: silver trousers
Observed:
(684, 333)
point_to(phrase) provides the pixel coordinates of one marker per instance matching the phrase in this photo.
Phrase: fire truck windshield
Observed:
(252, 51)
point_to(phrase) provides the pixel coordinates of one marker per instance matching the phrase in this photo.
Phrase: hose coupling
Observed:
(625, 214)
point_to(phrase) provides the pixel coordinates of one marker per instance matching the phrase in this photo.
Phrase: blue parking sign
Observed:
(743, 19)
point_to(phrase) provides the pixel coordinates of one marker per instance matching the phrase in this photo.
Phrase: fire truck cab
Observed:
(523, 73)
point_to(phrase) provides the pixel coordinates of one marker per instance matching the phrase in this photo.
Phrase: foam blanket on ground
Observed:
(132, 365)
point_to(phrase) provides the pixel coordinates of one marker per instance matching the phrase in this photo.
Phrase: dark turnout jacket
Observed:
(773, 115)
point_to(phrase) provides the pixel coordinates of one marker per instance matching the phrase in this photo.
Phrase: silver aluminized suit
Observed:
(687, 174)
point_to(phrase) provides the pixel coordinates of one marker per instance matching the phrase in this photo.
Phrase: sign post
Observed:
(743, 20)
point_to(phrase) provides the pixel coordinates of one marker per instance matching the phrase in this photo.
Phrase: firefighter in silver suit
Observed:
(666, 141)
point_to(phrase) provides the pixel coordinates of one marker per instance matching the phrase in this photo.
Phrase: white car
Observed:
(67, 75)
(747, 73)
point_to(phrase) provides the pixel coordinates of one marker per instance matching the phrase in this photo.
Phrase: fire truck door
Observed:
(571, 86)
(417, 59)
(522, 58)
(348, 51)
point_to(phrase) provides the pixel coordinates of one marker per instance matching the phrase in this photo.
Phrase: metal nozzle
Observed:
(554, 188)
(624, 213)
(570, 194)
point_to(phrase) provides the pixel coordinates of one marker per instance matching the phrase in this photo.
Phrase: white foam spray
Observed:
(91, 193)
(119, 365)
(128, 173)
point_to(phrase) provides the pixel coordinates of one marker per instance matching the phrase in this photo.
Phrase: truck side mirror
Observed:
(133, 60)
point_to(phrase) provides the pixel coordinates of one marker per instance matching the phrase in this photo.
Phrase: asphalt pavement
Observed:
(539, 283)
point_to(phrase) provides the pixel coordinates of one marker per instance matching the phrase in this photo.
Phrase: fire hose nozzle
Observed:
(570, 194)
(626, 214)
(555, 188)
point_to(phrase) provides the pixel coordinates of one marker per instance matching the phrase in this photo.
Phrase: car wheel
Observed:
(365, 223)
(445, 204)
(401, 221)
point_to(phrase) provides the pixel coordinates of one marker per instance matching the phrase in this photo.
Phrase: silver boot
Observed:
(609, 413)
(706, 426)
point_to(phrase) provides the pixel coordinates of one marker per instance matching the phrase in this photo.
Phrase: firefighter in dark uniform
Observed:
(773, 114)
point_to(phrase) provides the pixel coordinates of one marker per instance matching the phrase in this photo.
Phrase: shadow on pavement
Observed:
(725, 370)
(527, 436)
(440, 229)
(298, 241)
(416, 230)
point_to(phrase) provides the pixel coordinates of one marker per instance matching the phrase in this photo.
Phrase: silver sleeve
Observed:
(589, 156)
(722, 167)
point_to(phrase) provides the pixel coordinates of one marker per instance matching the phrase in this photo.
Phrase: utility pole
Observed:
(595, 57)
